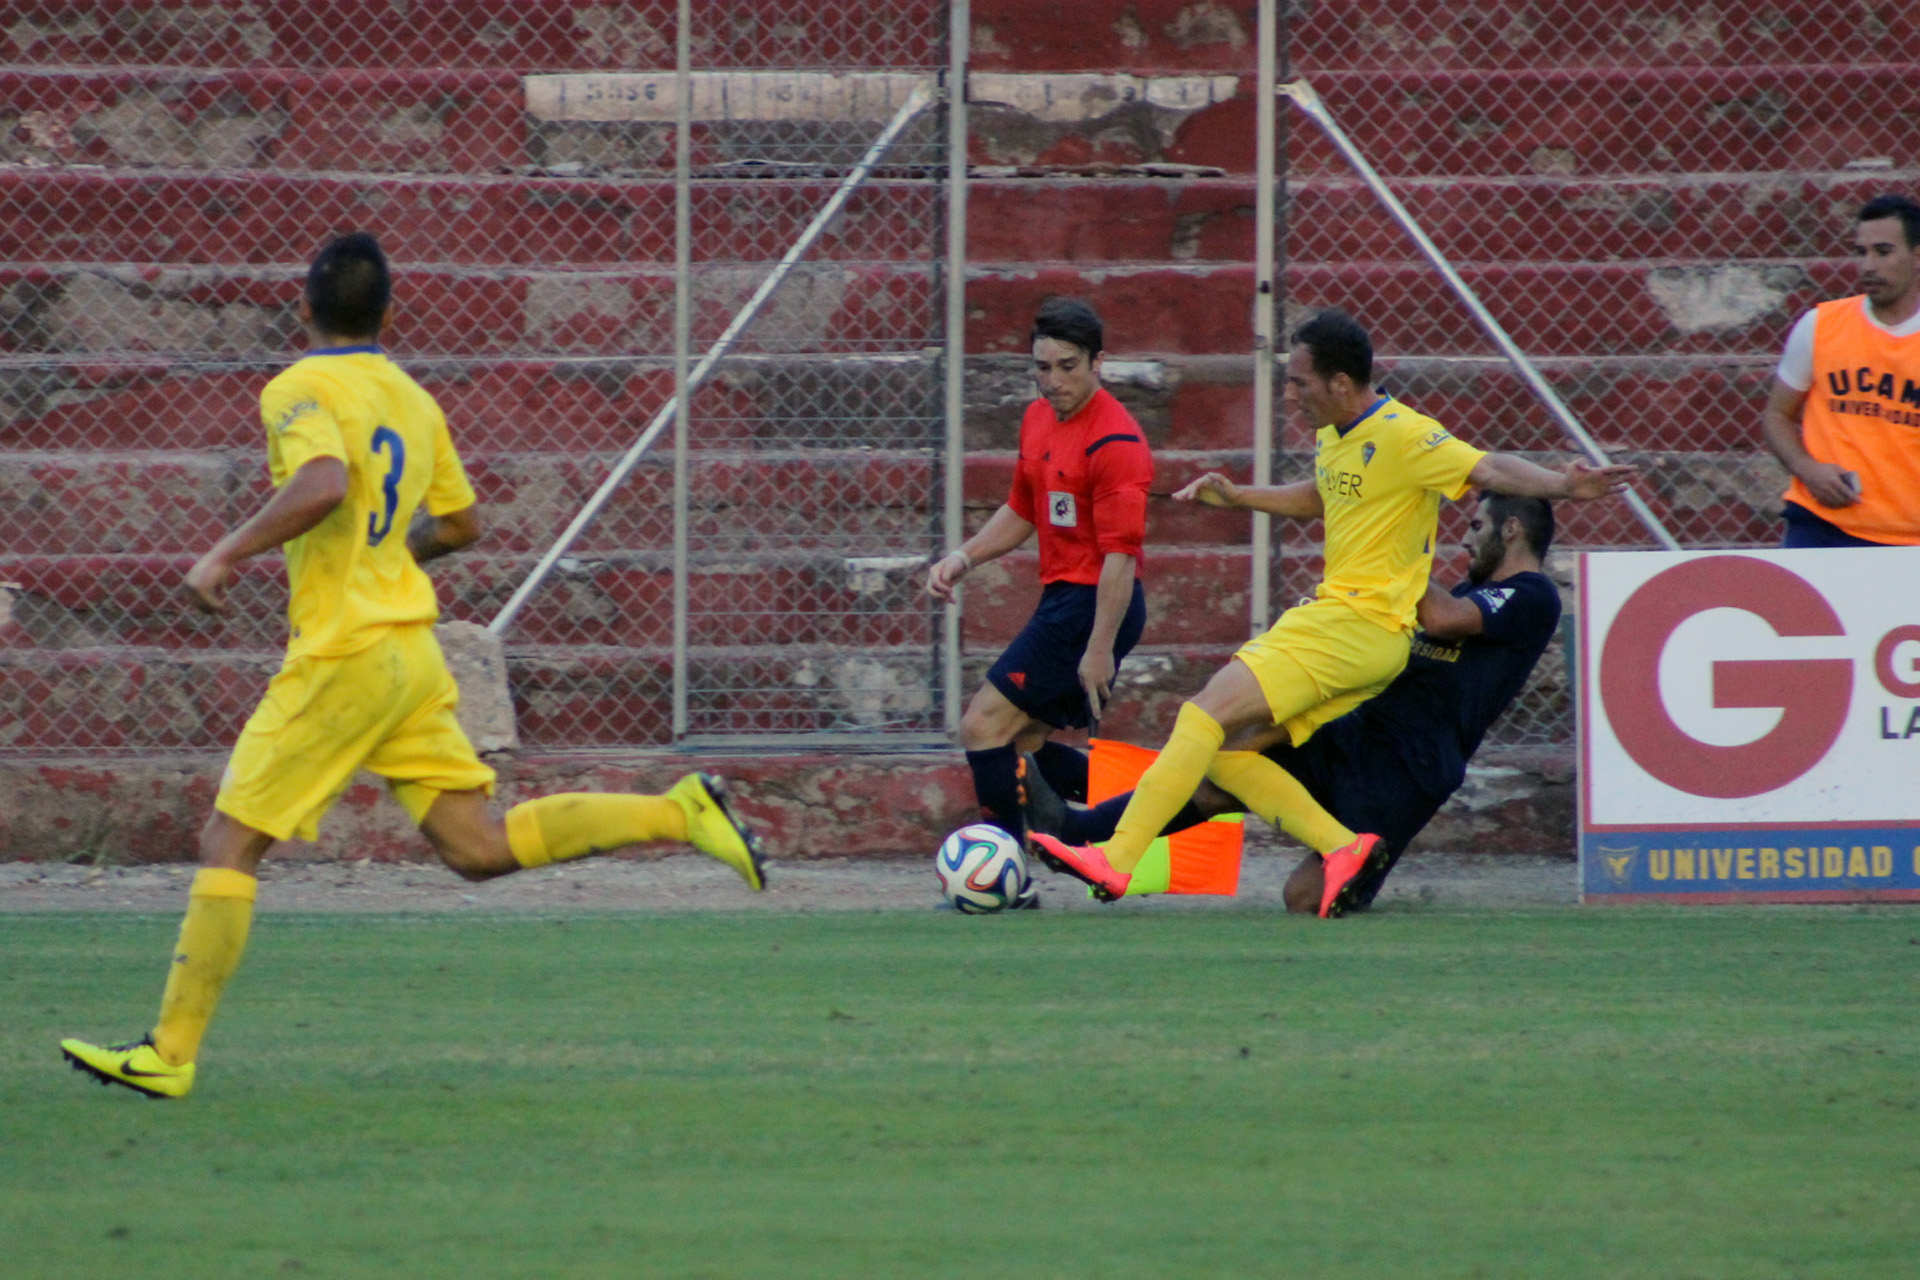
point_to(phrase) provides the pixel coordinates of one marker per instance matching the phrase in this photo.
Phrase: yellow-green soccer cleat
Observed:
(712, 828)
(136, 1065)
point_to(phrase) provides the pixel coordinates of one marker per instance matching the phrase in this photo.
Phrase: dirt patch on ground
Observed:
(689, 882)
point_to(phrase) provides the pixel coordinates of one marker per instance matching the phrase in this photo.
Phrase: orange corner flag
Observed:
(1202, 859)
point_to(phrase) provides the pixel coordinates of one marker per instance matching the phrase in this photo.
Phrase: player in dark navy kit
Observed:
(1388, 765)
(1082, 482)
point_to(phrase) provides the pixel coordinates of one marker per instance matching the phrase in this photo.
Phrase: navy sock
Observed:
(1092, 826)
(1064, 769)
(996, 783)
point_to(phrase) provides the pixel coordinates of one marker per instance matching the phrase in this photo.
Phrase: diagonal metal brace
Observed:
(916, 102)
(1309, 102)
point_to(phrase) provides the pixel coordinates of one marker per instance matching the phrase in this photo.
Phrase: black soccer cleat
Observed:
(1040, 805)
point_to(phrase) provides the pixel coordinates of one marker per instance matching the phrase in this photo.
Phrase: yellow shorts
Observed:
(387, 709)
(1320, 661)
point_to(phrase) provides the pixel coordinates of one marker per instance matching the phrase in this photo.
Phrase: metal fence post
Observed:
(682, 318)
(1260, 604)
(958, 32)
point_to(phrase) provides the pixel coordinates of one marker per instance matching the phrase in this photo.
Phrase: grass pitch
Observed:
(1648, 1093)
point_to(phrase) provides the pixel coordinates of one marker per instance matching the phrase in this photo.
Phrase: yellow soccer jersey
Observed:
(1381, 482)
(352, 575)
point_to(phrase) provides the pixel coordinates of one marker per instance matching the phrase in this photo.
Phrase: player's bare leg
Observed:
(1304, 886)
(469, 837)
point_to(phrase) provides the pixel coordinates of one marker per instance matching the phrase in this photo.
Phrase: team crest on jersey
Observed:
(1435, 438)
(1366, 453)
(1061, 512)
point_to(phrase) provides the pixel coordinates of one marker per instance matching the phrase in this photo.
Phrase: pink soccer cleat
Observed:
(1082, 863)
(1342, 871)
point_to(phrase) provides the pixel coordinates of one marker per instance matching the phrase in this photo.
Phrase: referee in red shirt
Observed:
(1082, 482)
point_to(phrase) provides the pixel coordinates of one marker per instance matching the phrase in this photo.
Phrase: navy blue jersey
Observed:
(1437, 710)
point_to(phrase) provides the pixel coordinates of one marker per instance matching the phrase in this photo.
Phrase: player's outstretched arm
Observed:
(434, 536)
(1299, 500)
(306, 499)
(1004, 531)
(1513, 475)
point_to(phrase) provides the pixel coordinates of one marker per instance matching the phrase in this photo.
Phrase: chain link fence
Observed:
(165, 174)
(1646, 196)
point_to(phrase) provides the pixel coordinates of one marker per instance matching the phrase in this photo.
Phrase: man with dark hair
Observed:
(1338, 345)
(1081, 481)
(1843, 415)
(1389, 764)
(1380, 471)
(356, 448)
(348, 286)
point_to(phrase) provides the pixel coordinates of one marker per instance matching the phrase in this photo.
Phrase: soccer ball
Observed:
(982, 869)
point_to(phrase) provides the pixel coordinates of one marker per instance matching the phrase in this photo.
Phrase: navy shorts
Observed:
(1366, 788)
(1805, 529)
(1040, 671)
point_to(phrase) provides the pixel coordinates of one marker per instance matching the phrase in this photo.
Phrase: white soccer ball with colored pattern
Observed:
(982, 869)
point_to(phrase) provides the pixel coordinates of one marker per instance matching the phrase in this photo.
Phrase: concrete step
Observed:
(872, 803)
(544, 35)
(498, 404)
(1779, 118)
(854, 502)
(852, 598)
(1472, 219)
(1529, 121)
(1194, 403)
(403, 119)
(378, 120)
(210, 313)
(623, 598)
(1556, 121)
(141, 700)
(1202, 404)
(1555, 309)
(114, 216)
(74, 215)
(1389, 35)
(619, 598)
(145, 702)
(1392, 35)
(813, 804)
(145, 699)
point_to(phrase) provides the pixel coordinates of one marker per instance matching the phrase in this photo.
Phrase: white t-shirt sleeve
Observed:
(1796, 362)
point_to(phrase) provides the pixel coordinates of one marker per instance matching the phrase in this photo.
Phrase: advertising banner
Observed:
(1750, 725)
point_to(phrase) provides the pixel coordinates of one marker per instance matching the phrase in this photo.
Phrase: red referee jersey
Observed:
(1083, 484)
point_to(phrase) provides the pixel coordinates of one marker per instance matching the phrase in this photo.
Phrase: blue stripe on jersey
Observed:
(1106, 440)
(1371, 410)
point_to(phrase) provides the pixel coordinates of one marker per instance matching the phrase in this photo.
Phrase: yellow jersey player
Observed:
(1380, 471)
(356, 448)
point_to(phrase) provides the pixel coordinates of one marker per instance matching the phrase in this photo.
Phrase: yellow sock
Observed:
(1276, 795)
(1168, 783)
(212, 937)
(556, 828)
